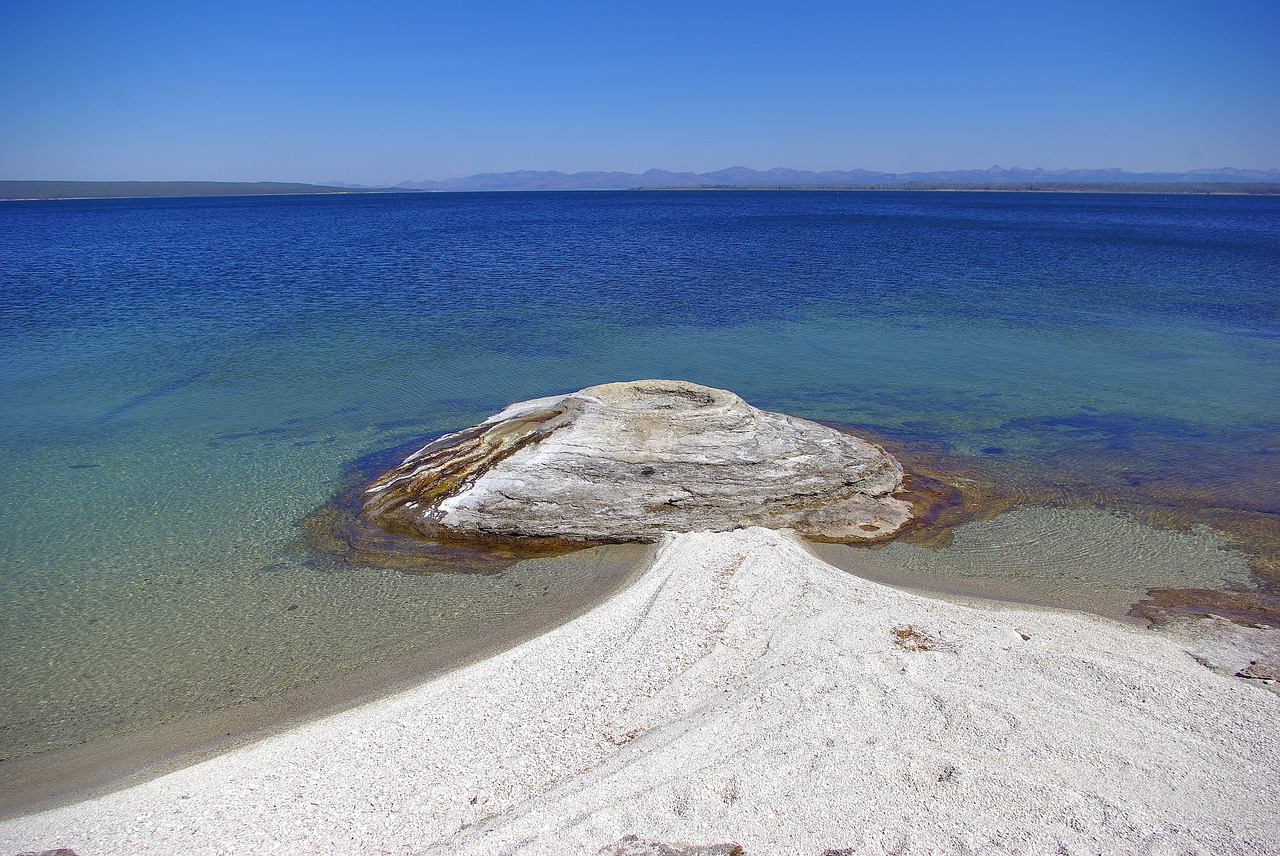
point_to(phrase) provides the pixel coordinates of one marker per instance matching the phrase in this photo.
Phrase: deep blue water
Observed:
(184, 380)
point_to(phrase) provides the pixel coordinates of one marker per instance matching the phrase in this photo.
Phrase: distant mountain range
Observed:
(740, 176)
(1221, 180)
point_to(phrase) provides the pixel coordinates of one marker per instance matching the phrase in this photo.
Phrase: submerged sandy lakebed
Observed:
(744, 691)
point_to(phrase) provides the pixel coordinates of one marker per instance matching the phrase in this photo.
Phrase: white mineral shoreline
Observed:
(744, 691)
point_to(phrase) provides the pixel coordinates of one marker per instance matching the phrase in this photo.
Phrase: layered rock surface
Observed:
(630, 461)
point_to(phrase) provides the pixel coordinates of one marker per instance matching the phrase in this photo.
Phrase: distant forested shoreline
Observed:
(161, 189)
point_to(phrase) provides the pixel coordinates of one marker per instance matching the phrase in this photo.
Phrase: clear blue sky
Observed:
(380, 92)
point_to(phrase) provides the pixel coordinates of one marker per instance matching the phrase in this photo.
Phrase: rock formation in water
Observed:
(630, 461)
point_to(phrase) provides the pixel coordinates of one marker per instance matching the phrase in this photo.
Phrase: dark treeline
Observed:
(154, 189)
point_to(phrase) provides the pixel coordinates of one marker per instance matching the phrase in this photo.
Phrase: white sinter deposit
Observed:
(631, 461)
(744, 691)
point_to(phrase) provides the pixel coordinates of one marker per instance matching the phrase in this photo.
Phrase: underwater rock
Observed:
(630, 461)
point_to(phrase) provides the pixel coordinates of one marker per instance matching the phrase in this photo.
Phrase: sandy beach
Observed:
(744, 691)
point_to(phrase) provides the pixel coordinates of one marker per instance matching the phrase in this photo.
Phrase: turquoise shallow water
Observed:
(185, 380)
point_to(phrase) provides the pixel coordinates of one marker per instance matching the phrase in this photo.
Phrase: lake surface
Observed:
(186, 380)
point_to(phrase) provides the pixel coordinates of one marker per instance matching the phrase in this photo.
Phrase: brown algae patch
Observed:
(340, 532)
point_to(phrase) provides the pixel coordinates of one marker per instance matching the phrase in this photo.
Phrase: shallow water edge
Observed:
(121, 759)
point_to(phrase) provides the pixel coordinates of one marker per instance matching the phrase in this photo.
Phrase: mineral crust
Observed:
(631, 461)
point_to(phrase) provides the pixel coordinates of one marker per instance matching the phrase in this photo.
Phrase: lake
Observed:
(186, 381)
